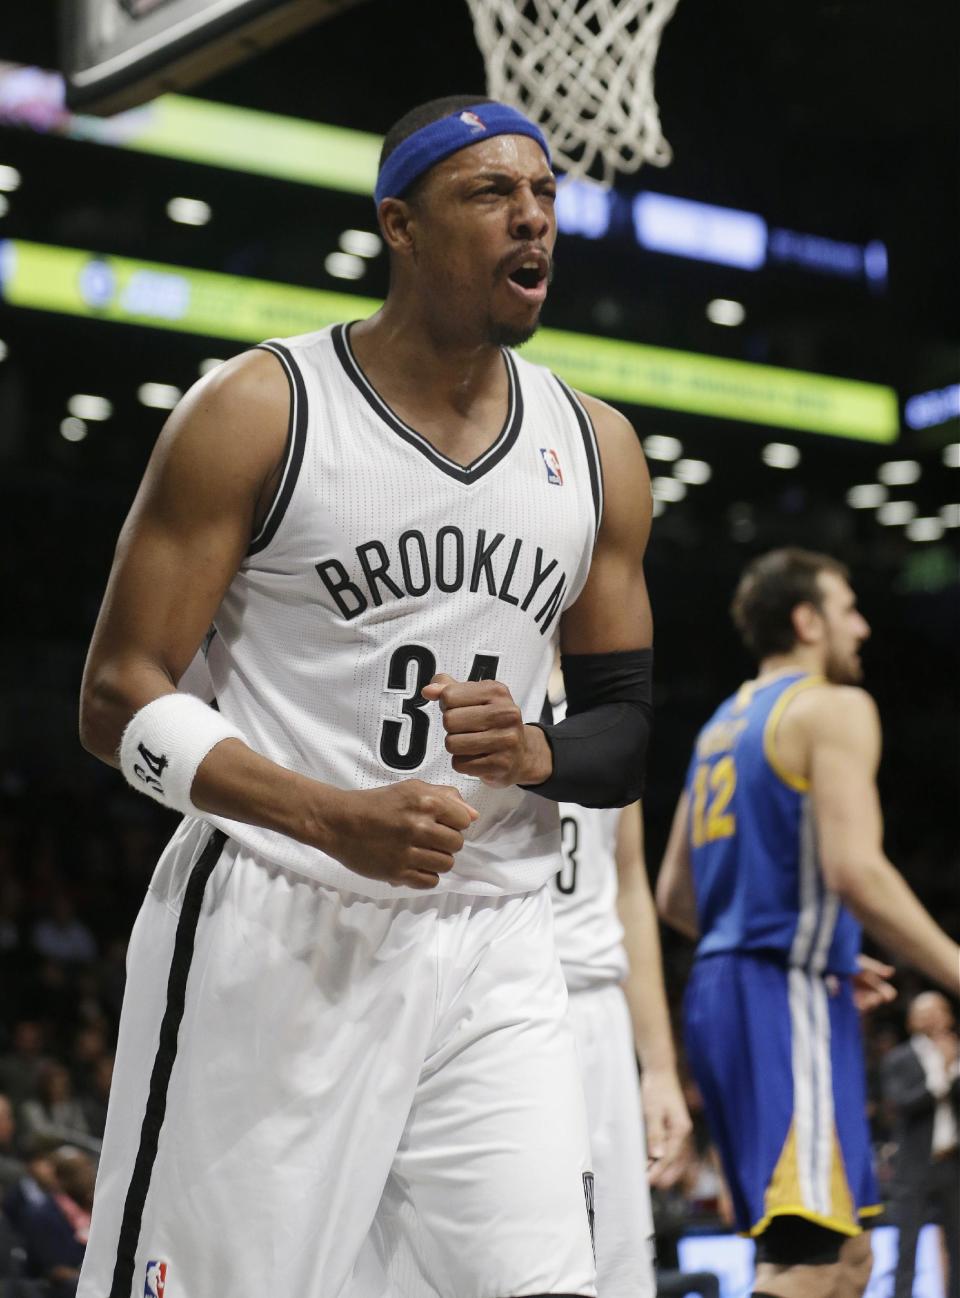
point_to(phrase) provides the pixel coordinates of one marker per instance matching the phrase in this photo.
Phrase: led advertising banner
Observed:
(128, 291)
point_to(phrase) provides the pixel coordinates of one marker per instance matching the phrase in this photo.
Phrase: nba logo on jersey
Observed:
(156, 1280)
(473, 121)
(552, 462)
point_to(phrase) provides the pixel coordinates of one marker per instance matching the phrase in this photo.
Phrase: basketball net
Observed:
(583, 70)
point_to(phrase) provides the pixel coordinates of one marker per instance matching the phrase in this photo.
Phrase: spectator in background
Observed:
(12, 1166)
(35, 1208)
(21, 1066)
(921, 1082)
(55, 1116)
(59, 935)
(97, 1095)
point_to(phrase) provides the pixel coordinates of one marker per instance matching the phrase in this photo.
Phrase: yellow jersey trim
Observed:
(798, 1210)
(793, 781)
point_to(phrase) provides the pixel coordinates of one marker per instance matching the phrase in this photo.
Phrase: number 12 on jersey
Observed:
(408, 756)
(713, 787)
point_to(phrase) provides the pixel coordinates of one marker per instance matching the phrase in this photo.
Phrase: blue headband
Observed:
(431, 144)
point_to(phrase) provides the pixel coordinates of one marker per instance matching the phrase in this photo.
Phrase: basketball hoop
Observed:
(583, 70)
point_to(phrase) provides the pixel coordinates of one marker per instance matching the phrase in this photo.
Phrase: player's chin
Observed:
(516, 330)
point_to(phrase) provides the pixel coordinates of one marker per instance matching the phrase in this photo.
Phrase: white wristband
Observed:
(164, 744)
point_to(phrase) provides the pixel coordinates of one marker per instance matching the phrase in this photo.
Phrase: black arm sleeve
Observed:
(600, 748)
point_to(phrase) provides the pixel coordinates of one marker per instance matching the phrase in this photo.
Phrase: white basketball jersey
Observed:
(588, 929)
(382, 562)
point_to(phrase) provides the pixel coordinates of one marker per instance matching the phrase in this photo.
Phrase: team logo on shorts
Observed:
(156, 1281)
(473, 121)
(588, 1196)
(551, 461)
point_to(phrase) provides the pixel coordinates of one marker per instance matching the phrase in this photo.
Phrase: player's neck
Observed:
(401, 350)
(805, 658)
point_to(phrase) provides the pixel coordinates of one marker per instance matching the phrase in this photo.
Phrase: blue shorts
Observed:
(778, 1059)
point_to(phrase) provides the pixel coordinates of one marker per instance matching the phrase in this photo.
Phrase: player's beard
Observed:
(843, 668)
(504, 335)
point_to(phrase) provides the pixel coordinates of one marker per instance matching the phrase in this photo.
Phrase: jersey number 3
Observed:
(713, 787)
(408, 756)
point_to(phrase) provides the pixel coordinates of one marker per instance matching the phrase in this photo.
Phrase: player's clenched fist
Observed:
(486, 734)
(406, 833)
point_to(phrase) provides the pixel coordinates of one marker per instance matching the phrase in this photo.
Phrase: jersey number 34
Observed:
(406, 753)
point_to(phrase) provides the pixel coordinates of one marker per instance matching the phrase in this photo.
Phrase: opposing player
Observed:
(609, 947)
(774, 862)
(344, 1023)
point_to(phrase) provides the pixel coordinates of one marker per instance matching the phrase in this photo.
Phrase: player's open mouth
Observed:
(530, 278)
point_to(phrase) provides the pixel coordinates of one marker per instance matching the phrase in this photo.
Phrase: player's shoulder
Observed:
(829, 709)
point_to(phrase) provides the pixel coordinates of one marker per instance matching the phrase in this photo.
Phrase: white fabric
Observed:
(939, 1081)
(584, 892)
(347, 1065)
(311, 687)
(164, 744)
(624, 1221)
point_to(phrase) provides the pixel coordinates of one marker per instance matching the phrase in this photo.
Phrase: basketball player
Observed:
(774, 862)
(609, 947)
(345, 1018)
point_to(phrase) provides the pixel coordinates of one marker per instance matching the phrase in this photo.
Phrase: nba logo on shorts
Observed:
(552, 462)
(473, 121)
(156, 1280)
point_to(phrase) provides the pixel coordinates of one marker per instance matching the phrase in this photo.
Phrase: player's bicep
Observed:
(612, 612)
(192, 519)
(843, 792)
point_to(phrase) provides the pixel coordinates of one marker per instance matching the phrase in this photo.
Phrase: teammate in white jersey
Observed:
(344, 1029)
(609, 947)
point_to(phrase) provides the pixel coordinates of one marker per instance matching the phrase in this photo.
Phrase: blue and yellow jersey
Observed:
(756, 872)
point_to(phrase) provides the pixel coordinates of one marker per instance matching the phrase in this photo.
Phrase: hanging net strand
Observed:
(583, 70)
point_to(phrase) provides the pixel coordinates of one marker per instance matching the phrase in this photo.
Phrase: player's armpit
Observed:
(185, 536)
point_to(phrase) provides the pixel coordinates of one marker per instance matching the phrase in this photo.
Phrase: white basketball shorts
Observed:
(304, 1075)
(624, 1222)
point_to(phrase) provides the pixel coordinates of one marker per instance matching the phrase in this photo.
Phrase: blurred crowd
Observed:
(72, 875)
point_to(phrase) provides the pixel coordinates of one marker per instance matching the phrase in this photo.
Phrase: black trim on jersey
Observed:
(591, 450)
(468, 473)
(129, 1238)
(293, 452)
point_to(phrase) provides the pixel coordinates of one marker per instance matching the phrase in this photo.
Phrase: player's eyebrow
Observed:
(511, 177)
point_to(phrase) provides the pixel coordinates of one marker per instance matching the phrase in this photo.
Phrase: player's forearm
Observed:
(645, 990)
(676, 906)
(890, 912)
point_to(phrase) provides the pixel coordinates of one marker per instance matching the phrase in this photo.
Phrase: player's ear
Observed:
(807, 623)
(396, 224)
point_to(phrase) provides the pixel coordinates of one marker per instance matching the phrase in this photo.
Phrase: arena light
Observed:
(725, 311)
(4, 205)
(73, 429)
(925, 529)
(659, 507)
(899, 473)
(659, 447)
(209, 364)
(668, 489)
(928, 409)
(869, 495)
(361, 243)
(87, 406)
(700, 231)
(235, 308)
(159, 396)
(189, 211)
(951, 455)
(780, 455)
(693, 472)
(583, 208)
(950, 515)
(343, 265)
(896, 512)
(4, 350)
(10, 178)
